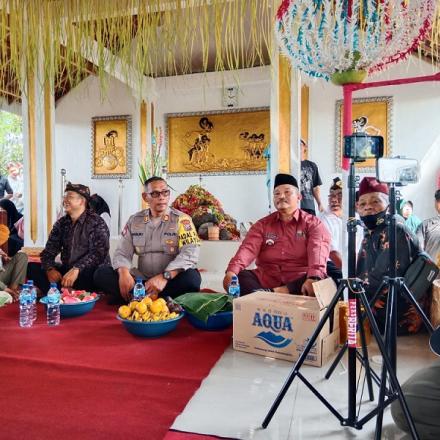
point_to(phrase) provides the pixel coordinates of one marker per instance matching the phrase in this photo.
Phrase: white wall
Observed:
(416, 127)
(416, 133)
(73, 137)
(243, 196)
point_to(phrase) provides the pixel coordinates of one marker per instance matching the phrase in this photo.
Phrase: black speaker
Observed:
(420, 274)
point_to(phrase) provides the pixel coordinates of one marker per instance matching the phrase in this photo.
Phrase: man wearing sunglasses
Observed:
(167, 246)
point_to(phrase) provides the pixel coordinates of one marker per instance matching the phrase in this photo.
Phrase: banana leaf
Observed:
(203, 305)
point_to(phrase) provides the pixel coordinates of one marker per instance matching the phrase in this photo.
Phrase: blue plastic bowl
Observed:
(150, 329)
(71, 310)
(218, 321)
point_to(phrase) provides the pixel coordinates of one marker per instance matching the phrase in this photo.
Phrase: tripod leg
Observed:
(302, 358)
(336, 361)
(422, 314)
(392, 374)
(365, 361)
(376, 294)
(388, 333)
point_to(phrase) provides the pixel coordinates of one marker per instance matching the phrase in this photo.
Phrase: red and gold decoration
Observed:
(206, 211)
(346, 40)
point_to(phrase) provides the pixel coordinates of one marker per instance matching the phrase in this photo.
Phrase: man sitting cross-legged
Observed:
(82, 238)
(290, 247)
(373, 258)
(167, 246)
(12, 269)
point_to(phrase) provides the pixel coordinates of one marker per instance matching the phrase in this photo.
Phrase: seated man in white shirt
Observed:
(332, 219)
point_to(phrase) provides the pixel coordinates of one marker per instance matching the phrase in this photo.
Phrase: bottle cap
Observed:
(234, 278)
(53, 284)
(138, 280)
(30, 282)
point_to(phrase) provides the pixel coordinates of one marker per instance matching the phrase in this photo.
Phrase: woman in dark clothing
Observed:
(15, 243)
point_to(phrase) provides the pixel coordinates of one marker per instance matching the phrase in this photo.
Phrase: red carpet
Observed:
(90, 379)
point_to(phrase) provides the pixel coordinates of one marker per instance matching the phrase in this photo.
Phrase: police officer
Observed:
(167, 246)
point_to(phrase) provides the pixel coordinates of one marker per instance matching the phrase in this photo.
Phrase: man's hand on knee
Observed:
(126, 283)
(53, 276)
(155, 285)
(227, 280)
(307, 287)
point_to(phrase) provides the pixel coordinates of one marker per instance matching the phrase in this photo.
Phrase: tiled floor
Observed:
(239, 391)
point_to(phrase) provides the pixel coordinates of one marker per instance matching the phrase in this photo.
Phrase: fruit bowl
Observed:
(217, 321)
(76, 309)
(152, 329)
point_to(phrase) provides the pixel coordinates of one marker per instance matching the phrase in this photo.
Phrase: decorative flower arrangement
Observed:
(205, 210)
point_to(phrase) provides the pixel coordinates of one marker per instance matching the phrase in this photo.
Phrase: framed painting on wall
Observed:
(111, 147)
(372, 116)
(218, 142)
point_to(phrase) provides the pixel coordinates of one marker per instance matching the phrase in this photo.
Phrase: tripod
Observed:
(387, 343)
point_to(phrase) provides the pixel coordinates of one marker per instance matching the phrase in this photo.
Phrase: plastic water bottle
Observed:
(138, 290)
(25, 305)
(234, 287)
(53, 305)
(33, 292)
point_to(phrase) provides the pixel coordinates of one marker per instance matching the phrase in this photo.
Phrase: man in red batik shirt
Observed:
(290, 247)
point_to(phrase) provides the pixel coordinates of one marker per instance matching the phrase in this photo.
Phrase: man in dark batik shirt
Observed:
(373, 259)
(82, 238)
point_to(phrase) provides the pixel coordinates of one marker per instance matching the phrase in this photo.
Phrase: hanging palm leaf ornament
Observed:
(347, 40)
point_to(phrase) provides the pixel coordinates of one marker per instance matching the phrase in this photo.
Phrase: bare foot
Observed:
(281, 289)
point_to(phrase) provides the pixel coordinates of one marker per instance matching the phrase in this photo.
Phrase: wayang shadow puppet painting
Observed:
(228, 142)
(370, 116)
(111, 147)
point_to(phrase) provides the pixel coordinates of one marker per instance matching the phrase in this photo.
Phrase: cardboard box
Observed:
(279, 325)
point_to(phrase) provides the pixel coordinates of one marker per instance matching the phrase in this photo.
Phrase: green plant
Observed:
(153, 163)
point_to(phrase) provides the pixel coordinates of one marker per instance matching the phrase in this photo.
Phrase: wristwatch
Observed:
(167, 275)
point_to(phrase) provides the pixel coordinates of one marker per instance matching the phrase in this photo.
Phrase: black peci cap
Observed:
(285, 179)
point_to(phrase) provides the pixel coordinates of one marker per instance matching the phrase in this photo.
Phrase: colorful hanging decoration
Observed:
(327, 37)
(135, 39)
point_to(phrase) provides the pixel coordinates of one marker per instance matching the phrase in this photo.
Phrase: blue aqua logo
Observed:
(274, 324)
(276, 341)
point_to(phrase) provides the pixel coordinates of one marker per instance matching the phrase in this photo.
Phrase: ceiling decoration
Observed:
(137, 38)
(141, 39)
(326, 37)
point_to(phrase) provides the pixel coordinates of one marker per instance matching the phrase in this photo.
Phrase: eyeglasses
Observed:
(157, 194)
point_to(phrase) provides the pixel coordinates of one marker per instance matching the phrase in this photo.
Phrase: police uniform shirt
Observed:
(170, 244)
